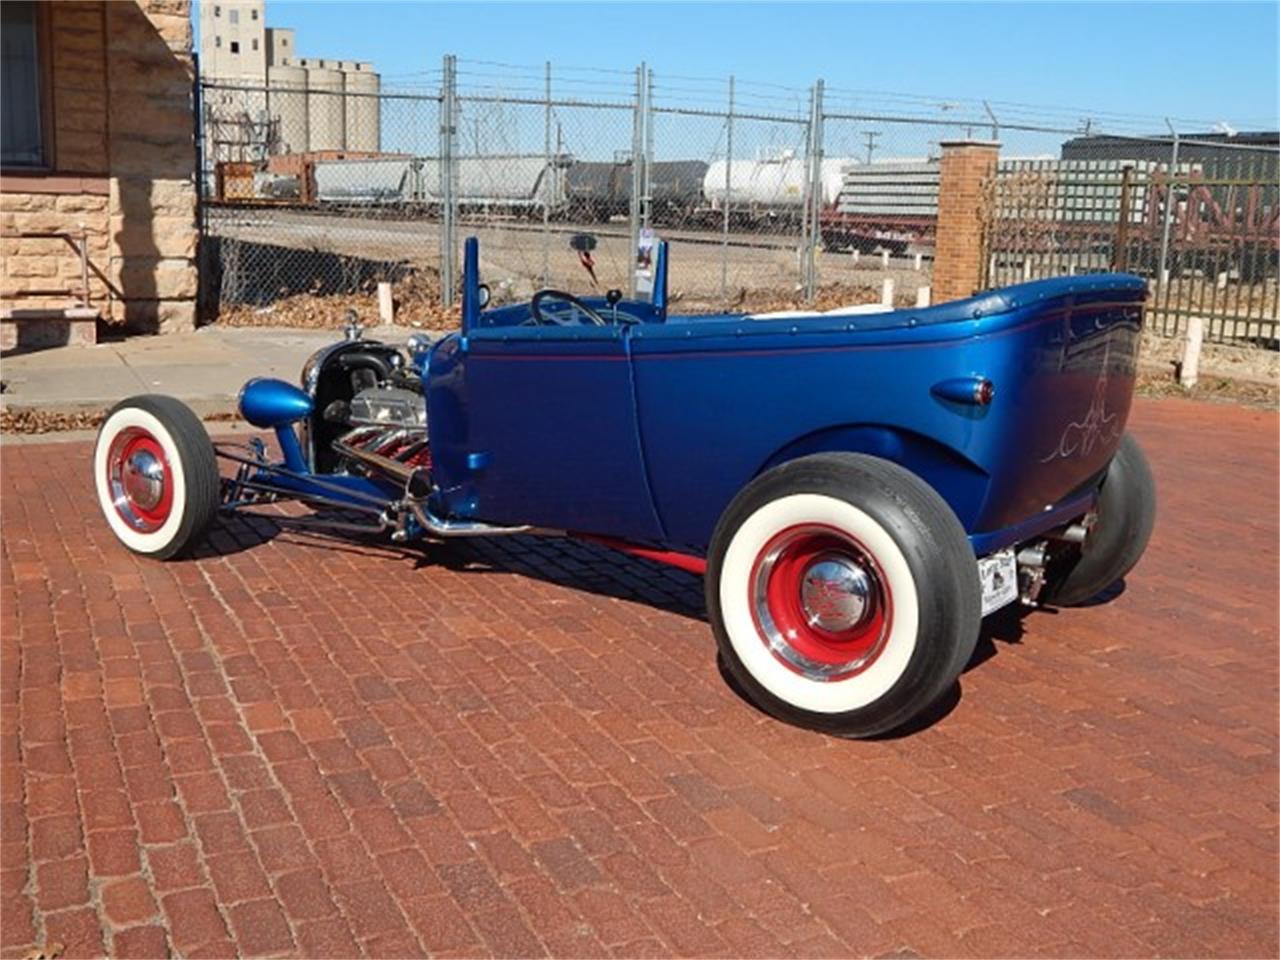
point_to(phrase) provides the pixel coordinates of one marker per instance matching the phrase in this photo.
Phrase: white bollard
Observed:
(884, 259)
(386, 305)
(886, 292)
(1164, 277)
(1222, 280)
(922, 296)
(1190, 371)
(1026, 269)
(919, 262)
(856, 254)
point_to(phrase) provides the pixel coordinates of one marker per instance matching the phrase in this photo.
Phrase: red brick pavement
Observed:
(296, 749)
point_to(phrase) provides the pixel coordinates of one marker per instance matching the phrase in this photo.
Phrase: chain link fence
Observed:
(310, 193)
(316, 188)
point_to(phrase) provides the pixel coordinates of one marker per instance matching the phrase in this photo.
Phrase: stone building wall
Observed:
(122, 169)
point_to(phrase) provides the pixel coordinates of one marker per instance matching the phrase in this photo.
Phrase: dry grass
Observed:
(416, 297)
(29, 421)
(1212, 388)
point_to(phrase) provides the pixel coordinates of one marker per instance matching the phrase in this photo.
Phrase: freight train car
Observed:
(769, 188)
(888, 205)
(596, 191)
(518, 185)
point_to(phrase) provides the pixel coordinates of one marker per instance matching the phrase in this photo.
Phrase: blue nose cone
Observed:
(273, 403)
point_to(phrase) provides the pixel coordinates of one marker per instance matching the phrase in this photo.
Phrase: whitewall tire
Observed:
(156, 475)
(843, 593)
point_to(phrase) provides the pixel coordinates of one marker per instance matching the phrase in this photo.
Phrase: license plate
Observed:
(999, 576)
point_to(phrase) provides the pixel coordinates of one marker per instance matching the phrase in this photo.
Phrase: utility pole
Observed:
(871, 142)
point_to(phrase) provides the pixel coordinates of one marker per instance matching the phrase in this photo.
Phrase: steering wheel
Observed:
(535, 308)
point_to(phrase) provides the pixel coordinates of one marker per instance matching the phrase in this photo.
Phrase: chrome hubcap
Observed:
(143, 479)
(835, 594)
(139, 480)
(820, 602)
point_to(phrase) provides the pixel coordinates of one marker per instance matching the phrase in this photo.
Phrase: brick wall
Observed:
(967, 169)
(122, 167)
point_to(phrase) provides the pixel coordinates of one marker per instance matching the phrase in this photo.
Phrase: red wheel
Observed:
(140, 479)
(821, 602)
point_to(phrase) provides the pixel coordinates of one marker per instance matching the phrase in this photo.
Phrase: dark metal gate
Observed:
(1206, 235)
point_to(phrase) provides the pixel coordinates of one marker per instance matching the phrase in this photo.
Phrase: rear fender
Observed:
(959, 482)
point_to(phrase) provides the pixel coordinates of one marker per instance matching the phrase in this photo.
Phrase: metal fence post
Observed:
(448, 203)
(728, 192)
(637, 177)
(1170, 199)
(812, 226)
(550, 190)
(646, 198)
(1120, 256)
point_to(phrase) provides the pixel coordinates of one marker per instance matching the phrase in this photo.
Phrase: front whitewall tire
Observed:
(190, 475)
(123, 419)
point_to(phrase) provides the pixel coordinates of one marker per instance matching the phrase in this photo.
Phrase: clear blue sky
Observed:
(1214, 61)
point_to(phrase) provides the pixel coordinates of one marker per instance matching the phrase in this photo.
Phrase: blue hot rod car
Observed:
(859, 487)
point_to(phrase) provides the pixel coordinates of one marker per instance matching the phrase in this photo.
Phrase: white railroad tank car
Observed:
(769, 183)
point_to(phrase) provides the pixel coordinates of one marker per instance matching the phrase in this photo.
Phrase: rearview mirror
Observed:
(482, 293)
(582, 242)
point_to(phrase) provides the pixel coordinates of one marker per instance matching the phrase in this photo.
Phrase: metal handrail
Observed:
(81, 246)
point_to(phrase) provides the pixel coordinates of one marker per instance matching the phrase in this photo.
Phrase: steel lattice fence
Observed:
(1205, 233)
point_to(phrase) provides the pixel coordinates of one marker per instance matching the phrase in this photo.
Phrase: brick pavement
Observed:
(288, 748)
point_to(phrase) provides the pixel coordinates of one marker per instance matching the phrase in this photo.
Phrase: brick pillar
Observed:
(967, 166)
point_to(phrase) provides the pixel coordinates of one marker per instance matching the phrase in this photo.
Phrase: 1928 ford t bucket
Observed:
(859, 487)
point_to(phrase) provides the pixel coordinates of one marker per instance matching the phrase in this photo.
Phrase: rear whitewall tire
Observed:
(190, 470)
(843, 593)
(739, 624)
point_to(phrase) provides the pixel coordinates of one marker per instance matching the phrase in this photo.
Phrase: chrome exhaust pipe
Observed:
(445, 529)
(417, 486)
(1075, 533)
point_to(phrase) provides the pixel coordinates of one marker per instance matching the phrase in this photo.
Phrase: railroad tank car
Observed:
(596, 190)
(769, 185)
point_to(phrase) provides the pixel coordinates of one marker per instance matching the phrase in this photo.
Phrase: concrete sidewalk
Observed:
(205, 368)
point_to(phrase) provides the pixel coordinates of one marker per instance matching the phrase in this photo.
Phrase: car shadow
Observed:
(597, 569)
(1106, 596)
(576, 565)
(233, 533)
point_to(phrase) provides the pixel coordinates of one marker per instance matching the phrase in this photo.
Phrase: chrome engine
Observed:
(387, 434)
(388, 406)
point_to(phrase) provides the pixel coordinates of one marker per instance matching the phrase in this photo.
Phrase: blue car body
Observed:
(645, 430)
